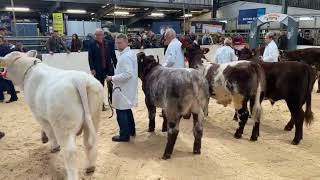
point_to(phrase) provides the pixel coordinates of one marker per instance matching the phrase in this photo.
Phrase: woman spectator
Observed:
(76, 44)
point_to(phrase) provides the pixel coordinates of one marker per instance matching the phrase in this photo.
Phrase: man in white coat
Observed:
(225, 54)
(271, 52)
(174, 57)
(125, 89)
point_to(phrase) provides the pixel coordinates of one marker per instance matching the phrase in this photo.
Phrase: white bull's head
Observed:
(15, 65)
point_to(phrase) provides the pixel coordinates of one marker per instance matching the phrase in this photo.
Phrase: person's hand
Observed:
(79, 51)
(93, 72)
(51, 52)
(68, 52)
(109, 78)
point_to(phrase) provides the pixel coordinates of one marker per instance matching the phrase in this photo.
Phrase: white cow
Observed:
(63, 102)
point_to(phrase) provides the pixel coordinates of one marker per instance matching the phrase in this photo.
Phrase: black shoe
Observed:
(119, 139)
(1, 135)
(12, 100)
(133, 134)
(2, 100)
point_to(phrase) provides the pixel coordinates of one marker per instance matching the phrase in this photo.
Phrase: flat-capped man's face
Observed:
(99, 36)
(121, 43)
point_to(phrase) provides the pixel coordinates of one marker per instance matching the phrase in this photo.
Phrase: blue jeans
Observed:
(126, 123)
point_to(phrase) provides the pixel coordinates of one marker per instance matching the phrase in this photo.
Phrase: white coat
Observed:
(174, 57)
(271, 52)
(224, 54)
(125, 81)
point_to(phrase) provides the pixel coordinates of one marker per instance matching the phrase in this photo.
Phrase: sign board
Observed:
(247, 16)
(44, 23)
(207, 27)
(58, 22)
(212, 28)
(5, 21)
(73, 61)
(273, 17)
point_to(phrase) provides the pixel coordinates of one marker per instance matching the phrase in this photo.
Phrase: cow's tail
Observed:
(82, 89)
(308, 115)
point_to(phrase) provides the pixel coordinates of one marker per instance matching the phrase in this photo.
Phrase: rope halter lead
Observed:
(109, 99)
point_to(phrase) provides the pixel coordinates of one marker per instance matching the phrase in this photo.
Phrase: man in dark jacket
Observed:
(283, 41)
(102, 59)
(6, 84)
(54, 44)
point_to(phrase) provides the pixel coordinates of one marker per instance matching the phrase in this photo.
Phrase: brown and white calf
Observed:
(237, 82)
(179, 92)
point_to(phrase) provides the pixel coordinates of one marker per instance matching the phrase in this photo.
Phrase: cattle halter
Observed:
(35, 62)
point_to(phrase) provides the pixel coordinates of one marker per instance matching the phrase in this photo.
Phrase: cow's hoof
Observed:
(150, 130)
(287, 128)
(44, 139)
(55, 150)
(295, 142)
(237, 135)
(2, 135)
(90, 170)
(196, 152)
(252, 138)
(166, 156)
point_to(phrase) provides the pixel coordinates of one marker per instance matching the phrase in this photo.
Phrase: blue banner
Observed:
(247, 16)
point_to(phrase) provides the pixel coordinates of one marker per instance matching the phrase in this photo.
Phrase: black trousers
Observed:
(102, 77)
(7, 85)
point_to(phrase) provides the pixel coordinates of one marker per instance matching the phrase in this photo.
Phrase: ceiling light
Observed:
(157, 14)
(76, 11)
(21, 9)
(224, 21)
(187, 15)
(92, 13)
(103, 6)
(121, 13)
(196, 12)
(168, 10)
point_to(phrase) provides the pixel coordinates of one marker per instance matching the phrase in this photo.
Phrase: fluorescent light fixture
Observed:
(103, 6)
(168, 10)
(76, 11)
(157, 14)
(306, 18)
(121, 13)
(196, 12)
(92, 13)
(224, 21)
(20, 9)
(187, 15)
